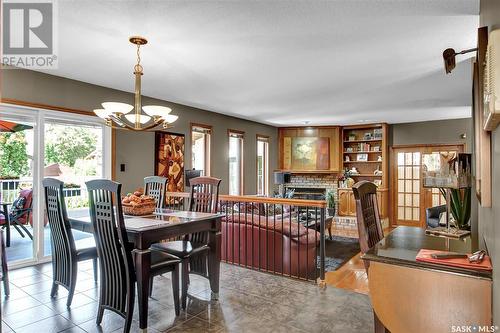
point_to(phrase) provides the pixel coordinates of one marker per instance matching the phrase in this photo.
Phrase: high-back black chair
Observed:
(117, 283)
(433, 215)
(66, 253)
(118, 277)
(194, 250)
(156, 187)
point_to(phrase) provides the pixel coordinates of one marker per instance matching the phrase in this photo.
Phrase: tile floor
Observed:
(249, 301)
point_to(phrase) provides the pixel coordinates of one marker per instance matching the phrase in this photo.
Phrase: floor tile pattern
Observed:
(249, 301)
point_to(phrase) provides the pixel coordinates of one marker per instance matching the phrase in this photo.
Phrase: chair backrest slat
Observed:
(367, 214)
(203, 198)
(62, 241)
(156, 187)
(115, 259)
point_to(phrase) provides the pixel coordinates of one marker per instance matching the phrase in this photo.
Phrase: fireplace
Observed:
(307, 193)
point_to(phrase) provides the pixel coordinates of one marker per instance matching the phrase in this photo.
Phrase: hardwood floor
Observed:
(352, 275)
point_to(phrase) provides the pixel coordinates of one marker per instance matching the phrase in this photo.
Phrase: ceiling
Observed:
(280, 62)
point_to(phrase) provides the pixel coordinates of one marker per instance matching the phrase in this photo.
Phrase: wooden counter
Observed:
(412, 297)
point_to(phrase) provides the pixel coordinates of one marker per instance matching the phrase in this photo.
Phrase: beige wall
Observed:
(432, 132)
(489, 218)
(136, 150)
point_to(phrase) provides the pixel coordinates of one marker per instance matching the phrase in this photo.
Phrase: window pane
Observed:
(416, 186)
(401, 185)
(235, 164)
(408, 201)
(416, 158)
(262, 167)
(401, 213)
(401, 158)
(401, 200)
(408, 173)
(408, 159)
(416, 214)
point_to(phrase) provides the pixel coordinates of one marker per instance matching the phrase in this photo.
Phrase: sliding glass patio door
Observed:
(71, 147)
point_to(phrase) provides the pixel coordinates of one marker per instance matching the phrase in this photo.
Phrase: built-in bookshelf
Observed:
(365, 156)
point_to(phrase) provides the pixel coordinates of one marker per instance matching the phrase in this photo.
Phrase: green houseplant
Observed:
(460, 206)
(330, 200)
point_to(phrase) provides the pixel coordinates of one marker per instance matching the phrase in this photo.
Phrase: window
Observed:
(200, 148)
(235, 162)
(262, 165)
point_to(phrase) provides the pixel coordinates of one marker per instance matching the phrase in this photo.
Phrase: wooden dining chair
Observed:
(117, 279)
(156, 187)
(369, 226)
(367, 215)
(194, 249)
(66, 253)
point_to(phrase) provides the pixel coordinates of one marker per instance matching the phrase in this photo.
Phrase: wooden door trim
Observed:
(393, 171)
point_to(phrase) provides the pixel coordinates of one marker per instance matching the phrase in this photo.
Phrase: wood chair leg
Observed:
(54, 289)
(130, 309)
(5, 269)
(175, 289)
(184, 281)
(100, 314)
(151, 285)
(94, 262)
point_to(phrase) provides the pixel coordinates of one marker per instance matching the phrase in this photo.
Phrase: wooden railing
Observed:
(280, 236)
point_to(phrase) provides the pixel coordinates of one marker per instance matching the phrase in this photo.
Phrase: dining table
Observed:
(163, 224)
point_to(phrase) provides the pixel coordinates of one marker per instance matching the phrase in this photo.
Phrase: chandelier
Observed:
(118, 115)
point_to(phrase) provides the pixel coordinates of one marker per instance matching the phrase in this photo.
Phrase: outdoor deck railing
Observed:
(280, 236)
(76, 197)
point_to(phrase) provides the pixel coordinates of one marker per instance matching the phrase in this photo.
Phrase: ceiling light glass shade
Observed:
(170, 118)
(156, 110)
(102, 113)
(116, 107)
(142, 118)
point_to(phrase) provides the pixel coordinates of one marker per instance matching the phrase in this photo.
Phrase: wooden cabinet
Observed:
(347, 203)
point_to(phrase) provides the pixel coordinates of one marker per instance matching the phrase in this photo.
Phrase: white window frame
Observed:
(240, 135)
(265, 165)
(207, 132)
(39, 116)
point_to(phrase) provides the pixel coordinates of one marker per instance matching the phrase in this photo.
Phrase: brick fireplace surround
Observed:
(326, 182)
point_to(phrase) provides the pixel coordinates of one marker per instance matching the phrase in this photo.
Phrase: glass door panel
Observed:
(73, 153)
(17, 177)
(408, 187)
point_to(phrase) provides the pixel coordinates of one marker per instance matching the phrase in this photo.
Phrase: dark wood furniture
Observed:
(142, 232)
(194, 249)
(117, 289)
(66, 253)
(156, 187)
(369, 226)
(404, 292)
(5, 269)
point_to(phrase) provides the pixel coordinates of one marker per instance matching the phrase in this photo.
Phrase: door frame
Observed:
(40, 117)
(393, 171)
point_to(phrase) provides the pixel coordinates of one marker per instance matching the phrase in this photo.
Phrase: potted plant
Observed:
(330, 200)
(460, 206)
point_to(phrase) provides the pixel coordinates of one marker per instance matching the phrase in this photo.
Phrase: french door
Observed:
(71, 147)
(409, 198)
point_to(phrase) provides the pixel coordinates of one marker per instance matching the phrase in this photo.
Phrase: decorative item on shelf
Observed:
(377, 182)
(368, 136)
(349, 150)
(353, 171)
(362, 157)
(349, 182)
(347, 158)
(351, 137)
(117, 114)
(377, 171)
(376, 148)
(379, 159)
(451, 173)
(377, 133)
(330, 199)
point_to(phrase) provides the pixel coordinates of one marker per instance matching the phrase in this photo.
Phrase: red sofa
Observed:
(274, 244)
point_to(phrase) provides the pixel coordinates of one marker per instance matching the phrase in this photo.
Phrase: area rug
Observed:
(338, 251)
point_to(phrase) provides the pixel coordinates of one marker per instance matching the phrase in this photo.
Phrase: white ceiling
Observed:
(280, 62)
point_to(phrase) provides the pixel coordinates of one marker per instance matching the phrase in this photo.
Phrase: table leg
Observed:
(214, 242)
(143, 273)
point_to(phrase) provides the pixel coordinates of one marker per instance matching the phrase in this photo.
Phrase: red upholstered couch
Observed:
(272, 244)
